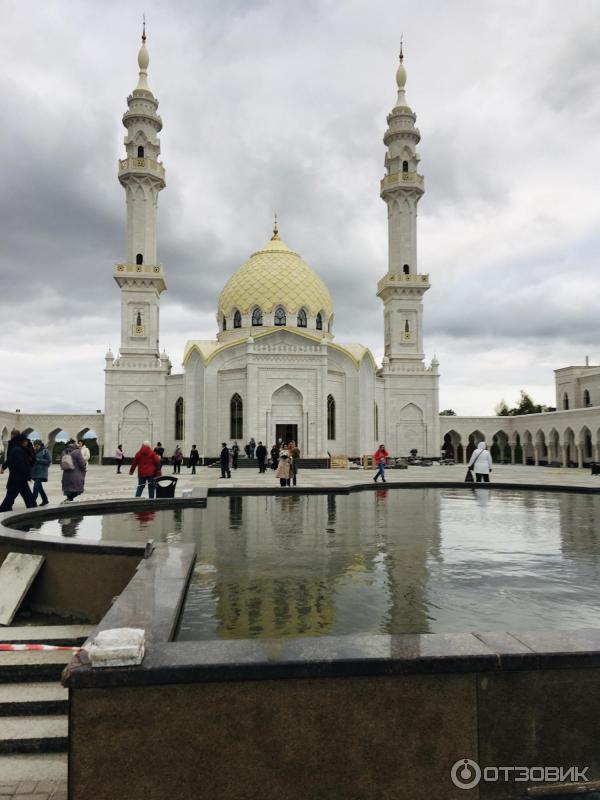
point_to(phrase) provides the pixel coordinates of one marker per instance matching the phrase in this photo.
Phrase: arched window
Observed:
(237, 320)
(138, 319)
(257, 317)
(406, 327)
(375, 421)
(236, 417)
(301, 322)
(224, 323)
(330, 417)
(139, 259)
(405, 166)
(279, 318)
(319, 322)
(586, 399)
(406, 269)
(565, 401)
(140, 152)
(179, 419)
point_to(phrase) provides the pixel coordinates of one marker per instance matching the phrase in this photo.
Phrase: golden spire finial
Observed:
(275, 236)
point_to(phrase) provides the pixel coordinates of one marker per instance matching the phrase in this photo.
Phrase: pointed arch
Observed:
(319, 322)
(224, 321)
(585, 442)
(411, 412)
(257, 317)
(565, 402)
(237, 319)
(301, 320)
(179, 419)
(236, 417)
(586, 398)
(279, 317)
(136, 410)
(330, 417)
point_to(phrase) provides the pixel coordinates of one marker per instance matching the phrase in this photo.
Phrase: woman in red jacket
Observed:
(380, 457)
(148, 467)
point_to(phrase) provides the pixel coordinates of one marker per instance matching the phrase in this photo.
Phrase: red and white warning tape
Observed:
(15, 647)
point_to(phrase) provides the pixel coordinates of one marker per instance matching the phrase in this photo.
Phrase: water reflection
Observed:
(383, 561)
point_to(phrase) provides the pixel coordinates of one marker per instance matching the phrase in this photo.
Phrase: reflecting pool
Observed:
(382, 561)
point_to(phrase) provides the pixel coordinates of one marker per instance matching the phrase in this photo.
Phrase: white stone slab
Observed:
(17, 573)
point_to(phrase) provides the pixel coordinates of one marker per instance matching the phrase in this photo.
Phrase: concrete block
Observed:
(17, 573)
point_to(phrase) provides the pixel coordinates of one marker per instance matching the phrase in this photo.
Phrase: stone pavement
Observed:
(34, 790)
(103, 483)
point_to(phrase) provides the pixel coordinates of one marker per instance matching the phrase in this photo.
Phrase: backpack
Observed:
(66, 462)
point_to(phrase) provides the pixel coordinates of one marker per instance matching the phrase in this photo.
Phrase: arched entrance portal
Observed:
(410, 431)
(135, 428)
(287, 417)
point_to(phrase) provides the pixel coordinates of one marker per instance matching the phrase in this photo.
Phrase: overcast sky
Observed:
(282, 106)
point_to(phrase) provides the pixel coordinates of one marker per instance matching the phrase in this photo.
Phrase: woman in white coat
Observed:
(481, 461)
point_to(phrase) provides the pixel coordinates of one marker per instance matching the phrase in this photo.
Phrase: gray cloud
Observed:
(271, 106)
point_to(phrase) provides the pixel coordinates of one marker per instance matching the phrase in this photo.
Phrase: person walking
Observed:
(274, 456)
(73, 466)
(294, 452)
(18, 462)
(119, 457)
(148, 463)
(39, 471)
(177, 460)
(261, 455)
(251, 448)
(194, 458)
(284, 469)
(160, 452)
(481, 462)
(380, 458)
(85, 451)
(15, 436)
(235, 452)
(224, 459)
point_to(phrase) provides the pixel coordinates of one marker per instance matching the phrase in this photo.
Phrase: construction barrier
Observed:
(15, 647)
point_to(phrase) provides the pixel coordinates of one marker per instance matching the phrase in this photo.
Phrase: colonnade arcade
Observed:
(522, 441)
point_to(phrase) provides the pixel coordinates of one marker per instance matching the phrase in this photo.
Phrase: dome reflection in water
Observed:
(384, 561)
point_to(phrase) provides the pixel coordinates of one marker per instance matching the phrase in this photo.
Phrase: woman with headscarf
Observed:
(481, 462)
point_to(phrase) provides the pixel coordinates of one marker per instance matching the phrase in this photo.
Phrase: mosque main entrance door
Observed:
(287, 433)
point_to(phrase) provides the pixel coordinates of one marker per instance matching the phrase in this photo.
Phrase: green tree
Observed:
(502, 409)
(448, 412)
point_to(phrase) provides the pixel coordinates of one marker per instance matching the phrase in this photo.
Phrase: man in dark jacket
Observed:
(19, 465)
(194, 458)
(224, 458)
(261, 455)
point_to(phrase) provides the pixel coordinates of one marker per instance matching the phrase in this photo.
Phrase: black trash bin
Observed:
(165, 486)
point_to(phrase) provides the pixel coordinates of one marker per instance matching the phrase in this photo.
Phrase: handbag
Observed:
(469, 476)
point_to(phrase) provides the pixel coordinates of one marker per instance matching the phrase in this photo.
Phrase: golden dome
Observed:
(272, 277)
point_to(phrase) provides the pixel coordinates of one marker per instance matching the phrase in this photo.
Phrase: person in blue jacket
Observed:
(39, 471)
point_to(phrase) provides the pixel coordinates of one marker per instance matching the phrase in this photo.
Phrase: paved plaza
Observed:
(103, 482)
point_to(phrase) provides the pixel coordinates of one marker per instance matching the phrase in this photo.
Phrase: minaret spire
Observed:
(143, 61)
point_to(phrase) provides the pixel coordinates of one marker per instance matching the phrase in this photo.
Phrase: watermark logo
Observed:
(466, 774)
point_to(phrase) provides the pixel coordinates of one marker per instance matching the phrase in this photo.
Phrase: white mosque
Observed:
(274, 370)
